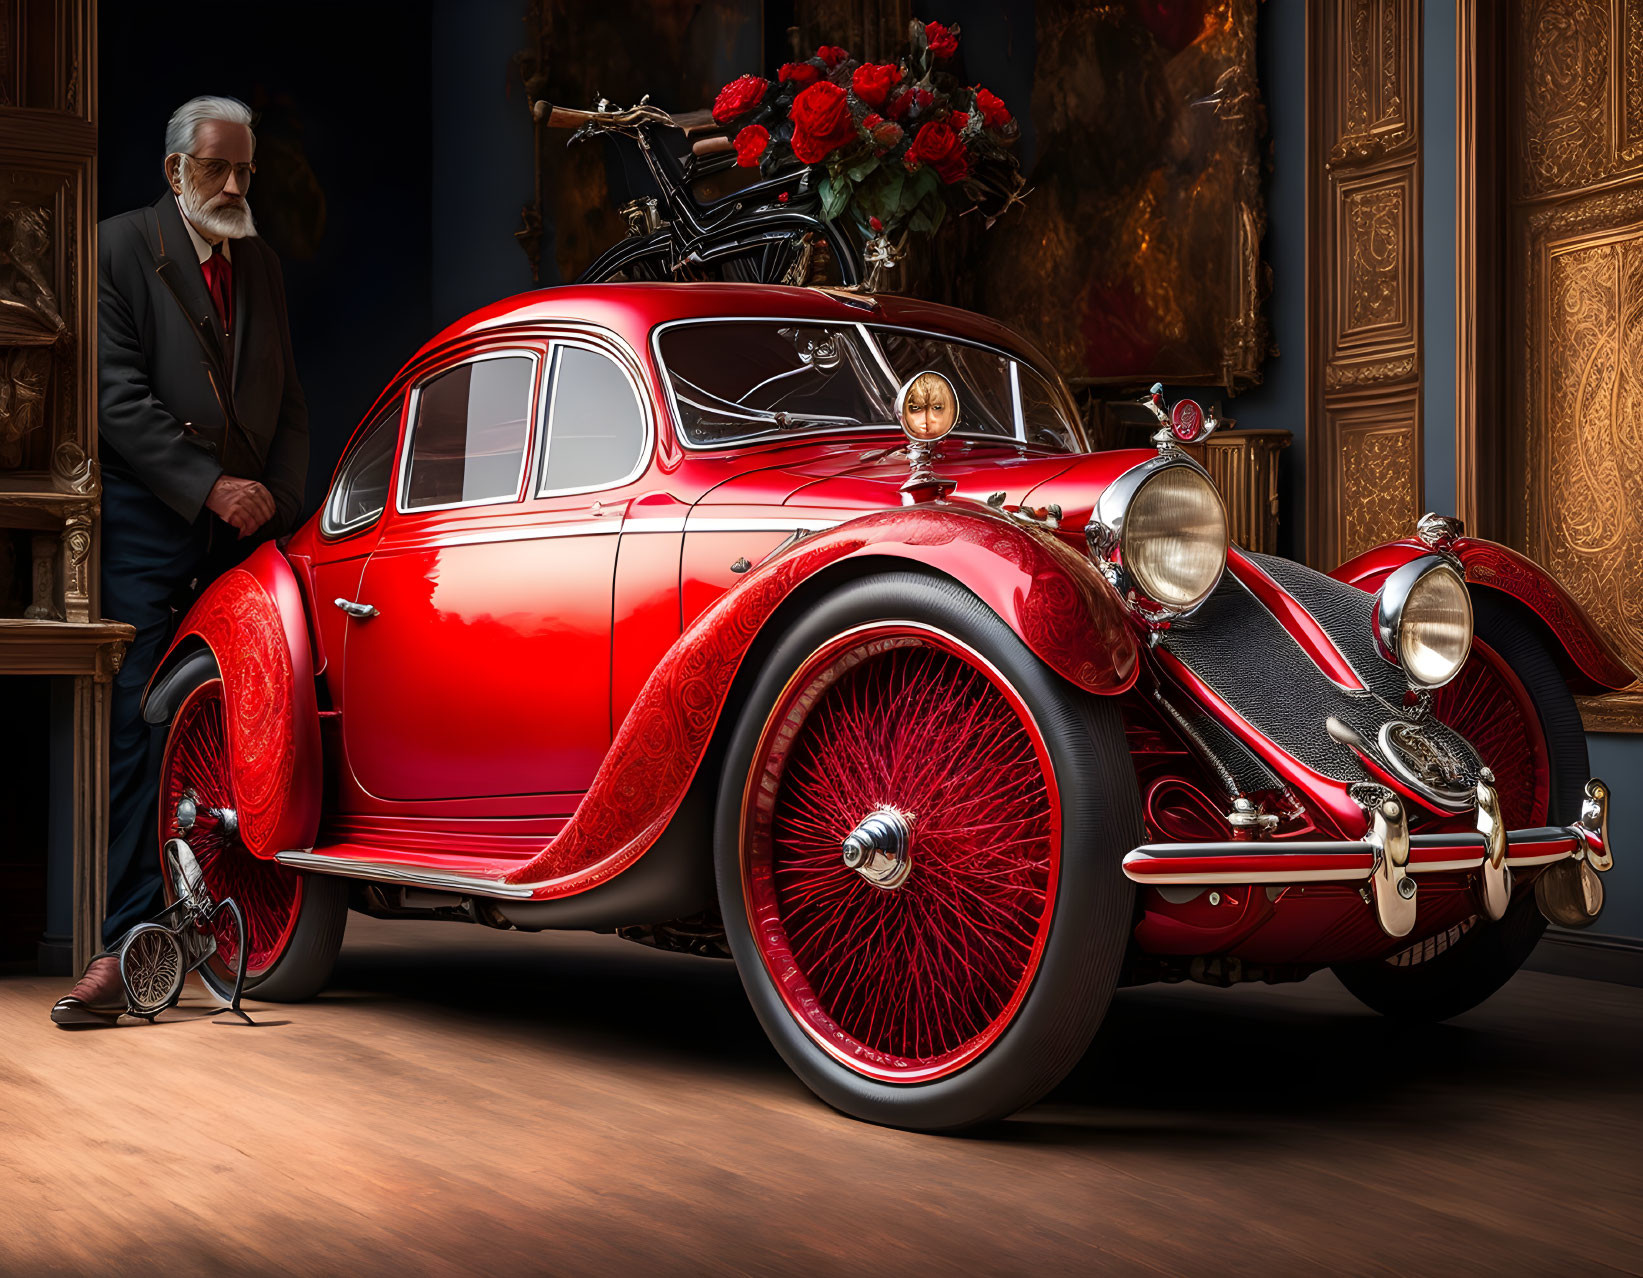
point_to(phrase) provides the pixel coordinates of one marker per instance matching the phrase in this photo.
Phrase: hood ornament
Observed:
(1187, 423)
(927, 407)
(1439, 531)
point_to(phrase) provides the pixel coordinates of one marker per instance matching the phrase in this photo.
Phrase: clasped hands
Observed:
(243, 503)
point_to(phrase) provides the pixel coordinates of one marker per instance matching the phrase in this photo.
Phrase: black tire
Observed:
(1088, 919)
(304, 965)
(1484, 958)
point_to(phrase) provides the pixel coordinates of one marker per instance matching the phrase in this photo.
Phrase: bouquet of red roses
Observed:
(893, 144)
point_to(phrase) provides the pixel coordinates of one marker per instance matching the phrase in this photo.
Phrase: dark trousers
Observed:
(154, 563)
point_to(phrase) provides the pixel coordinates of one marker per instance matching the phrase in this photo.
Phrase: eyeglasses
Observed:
(214, 172)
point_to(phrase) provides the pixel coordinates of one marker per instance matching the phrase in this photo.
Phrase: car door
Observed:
(485, 670)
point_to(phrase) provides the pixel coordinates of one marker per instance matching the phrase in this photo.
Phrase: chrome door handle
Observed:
(363, 611)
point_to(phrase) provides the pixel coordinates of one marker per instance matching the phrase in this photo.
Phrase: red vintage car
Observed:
(804, 626)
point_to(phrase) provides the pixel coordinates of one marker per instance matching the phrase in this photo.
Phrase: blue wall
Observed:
(481, 156)
(1280, 400)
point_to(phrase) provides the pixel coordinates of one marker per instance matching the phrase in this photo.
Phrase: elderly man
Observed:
(204, 452)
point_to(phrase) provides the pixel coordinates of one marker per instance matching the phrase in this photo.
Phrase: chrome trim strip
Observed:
(419, 876)
(757, 524)
(535, 532)
(753, 523)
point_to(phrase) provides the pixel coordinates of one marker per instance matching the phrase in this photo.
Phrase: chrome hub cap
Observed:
(879, 849)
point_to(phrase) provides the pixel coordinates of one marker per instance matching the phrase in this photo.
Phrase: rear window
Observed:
(761, 379)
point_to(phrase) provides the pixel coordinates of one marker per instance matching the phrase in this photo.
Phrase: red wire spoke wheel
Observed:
(918, 849)
(910, 981)
(293, 922)
(1488, 705)
(196, 766)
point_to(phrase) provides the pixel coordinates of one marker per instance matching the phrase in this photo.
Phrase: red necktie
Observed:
(219, 278)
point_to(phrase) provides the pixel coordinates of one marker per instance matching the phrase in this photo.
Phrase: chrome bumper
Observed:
(1387, 859)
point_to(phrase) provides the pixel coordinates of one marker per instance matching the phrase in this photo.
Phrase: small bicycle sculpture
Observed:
(156, 956)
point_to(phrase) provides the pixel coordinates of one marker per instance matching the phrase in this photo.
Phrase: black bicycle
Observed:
(704, 218)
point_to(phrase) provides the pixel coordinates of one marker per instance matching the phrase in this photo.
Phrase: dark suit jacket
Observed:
(181, 404)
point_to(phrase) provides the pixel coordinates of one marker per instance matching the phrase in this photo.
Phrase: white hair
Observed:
(186, 120)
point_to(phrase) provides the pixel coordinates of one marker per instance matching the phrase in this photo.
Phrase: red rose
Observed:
(872, 82)
(957, 121)
(821, 121)
(875, 224)
(738, 98)
(800, 73)
(911, 100)
(943, 43)
(750, 145)
(939, 147)
(885, 135)
(781, 197)
(994, 114)
(872, 120)
(832, 55)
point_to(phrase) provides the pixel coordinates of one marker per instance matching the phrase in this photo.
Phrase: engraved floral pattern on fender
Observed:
(241, 623)
(1492, 565)
(659, 746)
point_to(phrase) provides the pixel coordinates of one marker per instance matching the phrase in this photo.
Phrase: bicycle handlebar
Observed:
(689, 122)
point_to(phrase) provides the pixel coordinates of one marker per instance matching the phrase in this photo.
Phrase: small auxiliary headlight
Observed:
(1423, 621)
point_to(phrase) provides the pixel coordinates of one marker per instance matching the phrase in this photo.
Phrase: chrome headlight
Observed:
(1160, 532)
(1423, 620)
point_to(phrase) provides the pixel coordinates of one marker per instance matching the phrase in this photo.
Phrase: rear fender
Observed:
(252, 622)
(1051, 596)
(1590, 662)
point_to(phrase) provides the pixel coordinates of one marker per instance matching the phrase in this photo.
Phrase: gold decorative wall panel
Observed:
(1571, 434)
(1363, 296)
(1377, 459)
(1579, 445)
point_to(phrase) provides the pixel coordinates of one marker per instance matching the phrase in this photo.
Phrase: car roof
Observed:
(634, 310)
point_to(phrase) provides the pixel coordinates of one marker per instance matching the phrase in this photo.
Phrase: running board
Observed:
(408, 875)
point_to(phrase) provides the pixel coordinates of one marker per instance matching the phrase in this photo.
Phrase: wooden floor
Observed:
(467, 1101)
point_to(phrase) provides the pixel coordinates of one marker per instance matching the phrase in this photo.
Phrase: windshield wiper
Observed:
(788, 421)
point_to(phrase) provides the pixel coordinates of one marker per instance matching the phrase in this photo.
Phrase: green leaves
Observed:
(835, 194)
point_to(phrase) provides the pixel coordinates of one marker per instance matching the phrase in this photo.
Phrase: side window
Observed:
(361, 488)
(596, 427)
(469, 434)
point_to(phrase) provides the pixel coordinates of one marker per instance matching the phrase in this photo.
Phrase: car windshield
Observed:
(743, 380)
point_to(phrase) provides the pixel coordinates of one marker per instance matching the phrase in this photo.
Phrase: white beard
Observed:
(216, 216)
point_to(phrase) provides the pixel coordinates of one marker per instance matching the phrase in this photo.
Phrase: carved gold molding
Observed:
(1549, 295)
(49, 481)
(1364, 330)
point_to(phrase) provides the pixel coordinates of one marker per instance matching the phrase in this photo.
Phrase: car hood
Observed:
(854, 480)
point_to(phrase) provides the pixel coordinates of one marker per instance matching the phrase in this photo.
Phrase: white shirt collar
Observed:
(202, 246)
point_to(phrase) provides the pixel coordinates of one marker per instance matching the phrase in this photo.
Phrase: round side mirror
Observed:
(927, 406)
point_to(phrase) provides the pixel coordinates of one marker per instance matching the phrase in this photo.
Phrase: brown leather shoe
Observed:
(97, 999)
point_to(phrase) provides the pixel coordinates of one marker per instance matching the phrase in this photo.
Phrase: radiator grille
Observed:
(1242, 652)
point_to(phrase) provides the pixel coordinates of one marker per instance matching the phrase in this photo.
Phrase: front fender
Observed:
(1050, 595)
(252, 621)
(1590, 662)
